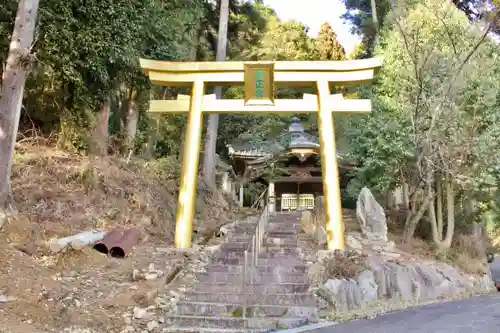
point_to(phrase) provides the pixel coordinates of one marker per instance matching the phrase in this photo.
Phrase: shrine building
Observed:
(290, 166)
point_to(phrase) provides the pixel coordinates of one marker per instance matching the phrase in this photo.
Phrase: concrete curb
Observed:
(309, 328)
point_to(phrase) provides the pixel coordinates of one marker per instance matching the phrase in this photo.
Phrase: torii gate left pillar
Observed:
(259, 78)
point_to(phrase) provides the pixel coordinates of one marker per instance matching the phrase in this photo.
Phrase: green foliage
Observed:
(359, 15)
(435, 108)
(327, 45)
(88, 53)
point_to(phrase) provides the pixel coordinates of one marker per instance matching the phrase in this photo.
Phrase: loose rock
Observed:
(152, 325)
(140, 313)
(371, 216)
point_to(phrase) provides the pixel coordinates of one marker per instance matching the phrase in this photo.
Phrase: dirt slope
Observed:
(58, 194)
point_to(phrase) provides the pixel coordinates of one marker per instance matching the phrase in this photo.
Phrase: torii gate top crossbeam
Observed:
(289, 72)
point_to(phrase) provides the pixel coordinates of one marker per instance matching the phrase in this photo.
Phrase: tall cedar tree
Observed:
(327, 45)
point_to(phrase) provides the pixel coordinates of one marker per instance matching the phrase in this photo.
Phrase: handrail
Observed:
(259, 199)
(254, 248)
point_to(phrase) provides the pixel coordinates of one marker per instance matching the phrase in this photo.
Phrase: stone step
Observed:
(267, 247)
(280, 288)
(250, 230)
(174, 329)
(242, 247)
(281, 233)
(242, 238)
(280, 237)
(233, 310)
(287, 235)
(285, 216)
(236, 278)
(292, 243)
(271, 250)
(261, 269)
(288, 220)
(232, 323)
(270, 297)
(236, 245)
(261, 260)
(266, 253)
(277, 227)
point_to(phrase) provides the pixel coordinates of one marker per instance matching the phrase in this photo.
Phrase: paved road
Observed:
(474, 315)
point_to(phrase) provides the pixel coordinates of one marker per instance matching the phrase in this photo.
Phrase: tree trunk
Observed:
(183, 142)
(131, 120)
(406, 195)
(450, 212)
(415, 215)
(413, 219)
(439, 206)
(374, 14)
(431, 211)
(13, 80)
(148, 152)
(213, 119)
(100, 136)
(437, 221)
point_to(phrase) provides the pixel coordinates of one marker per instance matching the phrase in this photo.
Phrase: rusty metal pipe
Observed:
(122, 246)
(109, 240)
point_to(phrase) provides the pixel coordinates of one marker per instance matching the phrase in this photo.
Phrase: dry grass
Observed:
(55, 194)
(341, 265)
(468, 253)
(417, 248)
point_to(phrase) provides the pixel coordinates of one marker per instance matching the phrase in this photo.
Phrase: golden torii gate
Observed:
(259, 79)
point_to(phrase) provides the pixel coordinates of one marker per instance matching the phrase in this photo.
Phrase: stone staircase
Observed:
(276, 292)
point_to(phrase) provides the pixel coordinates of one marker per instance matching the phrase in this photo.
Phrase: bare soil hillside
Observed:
(57, 194)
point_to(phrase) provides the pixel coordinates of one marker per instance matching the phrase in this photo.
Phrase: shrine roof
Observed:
(295, 137)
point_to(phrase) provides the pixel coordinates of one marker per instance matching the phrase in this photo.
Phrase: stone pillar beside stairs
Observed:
(226, 183)
(241, 195)
(271, 196)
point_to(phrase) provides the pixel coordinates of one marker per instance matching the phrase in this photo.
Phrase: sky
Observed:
(315, 12)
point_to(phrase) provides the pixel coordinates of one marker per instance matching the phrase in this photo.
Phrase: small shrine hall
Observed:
(290, 166)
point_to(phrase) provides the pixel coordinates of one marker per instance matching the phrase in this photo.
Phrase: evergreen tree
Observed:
(327, 45)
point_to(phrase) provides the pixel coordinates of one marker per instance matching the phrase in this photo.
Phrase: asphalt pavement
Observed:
(474, 315)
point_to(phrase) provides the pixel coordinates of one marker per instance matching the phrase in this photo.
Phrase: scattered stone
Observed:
(353, 243)
(307, 223)
(140, 313)
(128, 329)
(320, 235)
(151, 276)
(371, 216)
(346, 293)
(5, 298)
(321, 255)
(137, 275)
(389, 247)
(408, 282)
(391, 255)
(368, 286)
(152, 325)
